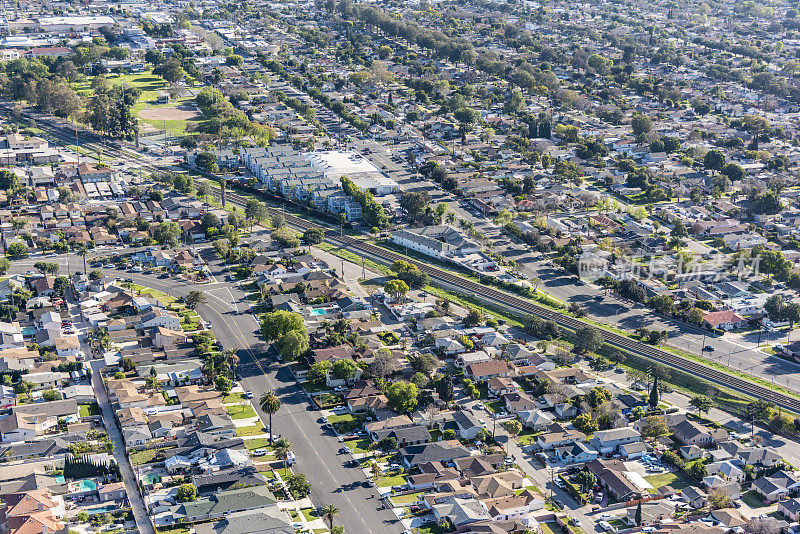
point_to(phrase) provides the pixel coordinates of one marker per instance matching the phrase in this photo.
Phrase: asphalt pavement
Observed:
(316, 450)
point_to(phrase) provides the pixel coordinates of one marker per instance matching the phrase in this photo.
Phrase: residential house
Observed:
(692, 433)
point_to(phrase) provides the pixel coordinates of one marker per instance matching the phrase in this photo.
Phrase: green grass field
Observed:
(150, 85)
(676, 480)
(240, 411)
(86, 410)
(253, 430)
(233, 397)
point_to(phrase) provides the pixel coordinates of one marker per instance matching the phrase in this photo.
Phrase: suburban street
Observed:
(315, 449)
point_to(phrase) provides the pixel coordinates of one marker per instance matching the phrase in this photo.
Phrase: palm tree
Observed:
(270, 403)
(281, 449)
(83, 250)
(338, 529)
(329, 511)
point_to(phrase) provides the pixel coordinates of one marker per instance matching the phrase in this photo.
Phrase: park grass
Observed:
(87, 410)
(249, 430)
(241, 411)
(150, 84)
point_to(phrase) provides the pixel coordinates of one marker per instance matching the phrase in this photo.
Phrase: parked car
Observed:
(260, 452)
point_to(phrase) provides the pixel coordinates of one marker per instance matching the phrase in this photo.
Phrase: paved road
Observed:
(532, 469)
(316, 450)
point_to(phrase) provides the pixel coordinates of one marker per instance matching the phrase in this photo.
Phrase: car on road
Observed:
(248, 394)
(344, 450)
(708, 348)
(558, 504)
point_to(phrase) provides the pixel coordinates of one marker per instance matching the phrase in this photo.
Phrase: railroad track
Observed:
(525, 307)
(511, 302)
(65, 133)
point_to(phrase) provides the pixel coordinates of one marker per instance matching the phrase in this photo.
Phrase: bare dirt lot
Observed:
(168, 114)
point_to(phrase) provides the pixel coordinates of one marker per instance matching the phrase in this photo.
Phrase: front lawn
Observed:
(527, 437)
(310, 514)
(359, 446)
(409, 498)
(250, 430)
(241, 411)
(395, 480)
(495, 406)
(233, 397)
(256, 443)
(551, 527)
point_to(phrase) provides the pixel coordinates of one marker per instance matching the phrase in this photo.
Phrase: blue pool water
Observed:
(60, 479)
(318, 311)
(101, 509)
(28, 331)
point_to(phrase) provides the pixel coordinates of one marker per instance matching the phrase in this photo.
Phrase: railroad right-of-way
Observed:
(522, 307)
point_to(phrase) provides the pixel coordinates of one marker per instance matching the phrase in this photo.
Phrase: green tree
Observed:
(270, 404)
(186, 493)
(588, 339)
(444, 387)
(17, 250)
(402, 396)
(277, 323)
(223, 384)
(329, 511)
(194, 299)
(641, 124)
(701, 403)
(344, 369)
(514, 427)
(637, 517)
(653, 400)
(293, 344)
(654, 426)
(585, 423)
(314, 236)
(586, 480)
(298, 485)
(397, 289)
(598, 396)
(714, 160)
(319, 371)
